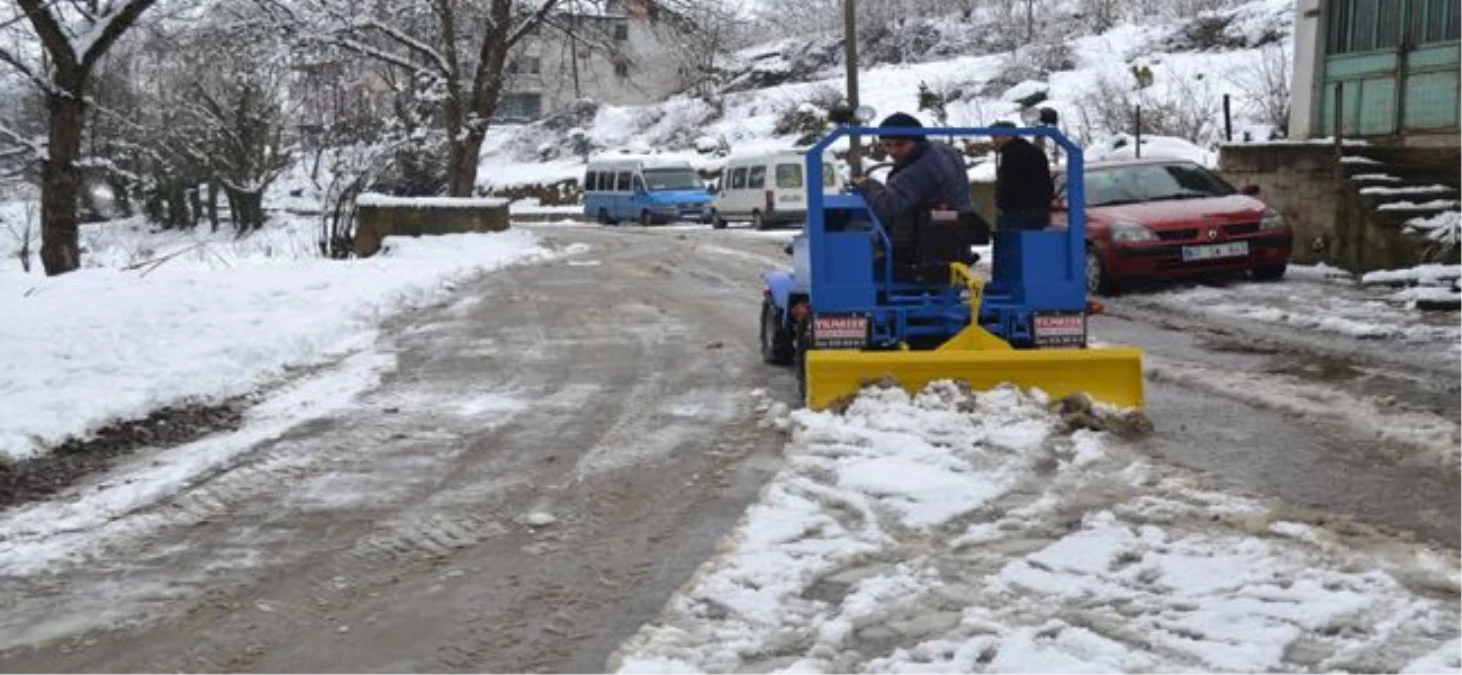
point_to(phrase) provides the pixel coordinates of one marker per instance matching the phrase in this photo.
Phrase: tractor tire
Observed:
(1271, 273)
(717, 222)
(778, 345)
(1098, 281)
(757, 222)
(646, 219)
(604, 218)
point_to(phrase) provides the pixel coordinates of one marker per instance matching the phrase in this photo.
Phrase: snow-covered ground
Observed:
(1329, 300)
(155, 319)
(958, 532)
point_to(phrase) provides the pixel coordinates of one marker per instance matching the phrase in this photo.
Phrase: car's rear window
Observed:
(1137, 183)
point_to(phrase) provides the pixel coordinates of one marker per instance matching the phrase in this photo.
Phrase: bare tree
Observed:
(74, 37)
(463, 45)
(1266, 86)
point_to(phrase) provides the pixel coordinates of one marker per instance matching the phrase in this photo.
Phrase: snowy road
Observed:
(551, 455)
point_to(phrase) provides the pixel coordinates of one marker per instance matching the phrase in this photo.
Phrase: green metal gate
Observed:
(1396, 64)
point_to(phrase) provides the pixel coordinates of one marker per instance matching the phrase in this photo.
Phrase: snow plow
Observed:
(853, 310)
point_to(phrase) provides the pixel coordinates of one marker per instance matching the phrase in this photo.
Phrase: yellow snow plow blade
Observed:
(1111, 375)
(979, 358)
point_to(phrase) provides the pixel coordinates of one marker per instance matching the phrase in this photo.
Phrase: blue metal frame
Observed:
(1024, 283)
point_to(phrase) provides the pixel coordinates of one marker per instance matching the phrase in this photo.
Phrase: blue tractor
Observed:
(854, 310)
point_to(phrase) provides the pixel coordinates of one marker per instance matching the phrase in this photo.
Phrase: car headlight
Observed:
(1271, 220)
(1129, 232)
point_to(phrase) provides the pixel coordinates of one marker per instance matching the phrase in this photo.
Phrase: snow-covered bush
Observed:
(1184, 107)
(807, 117)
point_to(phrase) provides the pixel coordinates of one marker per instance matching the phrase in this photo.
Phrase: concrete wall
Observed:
(1305, 85)
(1332, 222)
(374, 223)
(1298, 181)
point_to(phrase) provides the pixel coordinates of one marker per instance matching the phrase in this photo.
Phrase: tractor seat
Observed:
(941, 238)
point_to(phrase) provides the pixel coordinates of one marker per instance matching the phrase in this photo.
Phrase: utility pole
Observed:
(850, 59)
(574, 63)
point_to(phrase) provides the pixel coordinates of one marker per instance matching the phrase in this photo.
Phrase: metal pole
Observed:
(1338, 121)
(1138, 148)
(850, 58)
(1228, 121)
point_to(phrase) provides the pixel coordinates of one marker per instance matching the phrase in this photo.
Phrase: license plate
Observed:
(1060, 329)
(839, 332)
(1212, 251)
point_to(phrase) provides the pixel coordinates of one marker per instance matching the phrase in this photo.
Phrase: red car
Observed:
(1164, 219)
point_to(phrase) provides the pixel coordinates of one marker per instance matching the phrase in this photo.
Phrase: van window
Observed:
(789, 176)
(639, 183)
(673, 178)
(589, 181)
(621, 183)
(738, 179)
(829, 175)
(756, 178)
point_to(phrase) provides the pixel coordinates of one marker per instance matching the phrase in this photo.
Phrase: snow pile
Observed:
(1444, 228)
(207, 319)
(957, 532)
(1321, 301)
(1405, 190)
(1153, 147)
(1431, 274)
(1432, 285)
(1420, 206)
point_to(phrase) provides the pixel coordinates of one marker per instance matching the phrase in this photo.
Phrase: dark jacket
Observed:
(1023, 178)
(934, 177)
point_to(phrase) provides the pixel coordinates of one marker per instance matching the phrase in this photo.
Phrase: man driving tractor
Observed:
(926, 187)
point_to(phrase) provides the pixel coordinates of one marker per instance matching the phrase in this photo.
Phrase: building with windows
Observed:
(1389, 67)
(619, 52)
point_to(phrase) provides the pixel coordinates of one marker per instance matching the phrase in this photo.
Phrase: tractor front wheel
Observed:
(777, 342)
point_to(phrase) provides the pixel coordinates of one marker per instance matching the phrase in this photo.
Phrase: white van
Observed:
(767, 189)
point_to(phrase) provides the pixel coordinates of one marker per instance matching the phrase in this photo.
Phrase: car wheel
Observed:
(717, 222)
(777, 343)
(604, 217)
(646, 219)
(1098, 281)
(757, 222)
(1269, 273)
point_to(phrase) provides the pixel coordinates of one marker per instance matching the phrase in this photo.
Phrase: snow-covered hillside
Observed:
(1090, 76)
